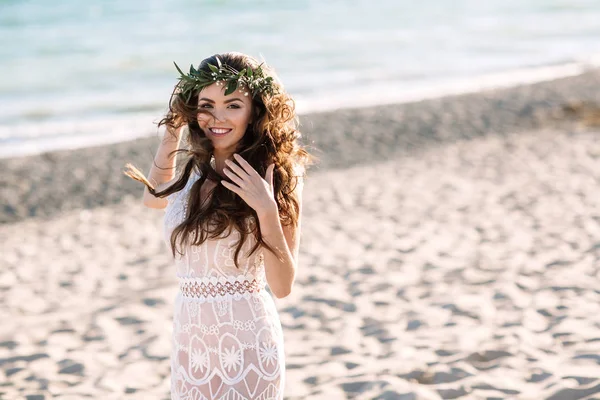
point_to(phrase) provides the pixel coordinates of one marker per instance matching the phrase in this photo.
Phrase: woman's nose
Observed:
(219, 115)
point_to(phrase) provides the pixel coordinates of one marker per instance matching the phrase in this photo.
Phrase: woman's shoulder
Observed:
(194, 176)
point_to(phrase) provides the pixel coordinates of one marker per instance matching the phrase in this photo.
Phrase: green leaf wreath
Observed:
(246, 79)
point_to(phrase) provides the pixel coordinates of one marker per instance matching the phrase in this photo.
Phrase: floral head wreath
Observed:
(246, 79)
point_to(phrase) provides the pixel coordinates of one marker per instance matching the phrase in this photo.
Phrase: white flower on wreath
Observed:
(231, 358)
(268, 353)
(199, 360)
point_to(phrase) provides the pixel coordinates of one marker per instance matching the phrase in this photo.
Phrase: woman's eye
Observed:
(235, 106)
(204, 105)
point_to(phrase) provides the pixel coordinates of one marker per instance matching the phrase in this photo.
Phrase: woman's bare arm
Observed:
(160, 178)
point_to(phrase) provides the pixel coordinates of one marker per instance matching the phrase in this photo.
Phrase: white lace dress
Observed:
(227, 339)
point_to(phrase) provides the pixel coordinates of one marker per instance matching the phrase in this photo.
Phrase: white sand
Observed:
(468, 270)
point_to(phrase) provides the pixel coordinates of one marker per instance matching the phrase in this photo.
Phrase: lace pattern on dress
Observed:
(177, 204)
(227, 340)
(207, 289)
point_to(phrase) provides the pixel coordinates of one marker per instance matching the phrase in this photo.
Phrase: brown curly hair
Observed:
(272, 137)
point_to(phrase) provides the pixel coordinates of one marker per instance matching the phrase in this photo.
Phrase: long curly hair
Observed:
(272, 137)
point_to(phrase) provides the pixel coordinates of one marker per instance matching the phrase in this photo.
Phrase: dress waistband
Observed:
(211, 288)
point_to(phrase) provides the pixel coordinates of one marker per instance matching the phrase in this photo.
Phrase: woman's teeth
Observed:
(219, 131)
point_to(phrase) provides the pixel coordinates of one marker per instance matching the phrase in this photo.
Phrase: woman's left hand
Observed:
(257, 192)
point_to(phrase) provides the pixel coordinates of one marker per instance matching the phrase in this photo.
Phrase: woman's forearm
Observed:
(280, 268)
(163, 166)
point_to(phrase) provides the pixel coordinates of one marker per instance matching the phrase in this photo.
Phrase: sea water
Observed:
(79, 73)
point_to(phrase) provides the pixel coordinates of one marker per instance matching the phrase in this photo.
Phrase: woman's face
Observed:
(232, 114)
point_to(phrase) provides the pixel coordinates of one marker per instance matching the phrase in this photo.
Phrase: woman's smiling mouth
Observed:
(219, 131)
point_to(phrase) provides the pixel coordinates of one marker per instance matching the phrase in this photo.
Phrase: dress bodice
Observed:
(213, 260)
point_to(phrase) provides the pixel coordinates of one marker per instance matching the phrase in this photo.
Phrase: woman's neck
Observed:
(218, 162)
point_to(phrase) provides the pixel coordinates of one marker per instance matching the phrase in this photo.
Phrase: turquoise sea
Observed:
(75, 73)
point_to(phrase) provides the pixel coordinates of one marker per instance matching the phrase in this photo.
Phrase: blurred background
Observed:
(450, 243)
(78, 73)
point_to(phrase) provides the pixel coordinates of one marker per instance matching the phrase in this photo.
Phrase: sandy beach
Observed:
(450, 250)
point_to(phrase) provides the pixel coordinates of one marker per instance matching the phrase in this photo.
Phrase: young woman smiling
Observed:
(234, 211)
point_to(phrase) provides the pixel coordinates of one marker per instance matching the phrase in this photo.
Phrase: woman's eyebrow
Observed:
(226, 101)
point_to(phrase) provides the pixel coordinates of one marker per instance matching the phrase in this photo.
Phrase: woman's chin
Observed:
(224, 146)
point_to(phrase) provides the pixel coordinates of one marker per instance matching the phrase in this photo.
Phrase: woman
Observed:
(232, 220)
